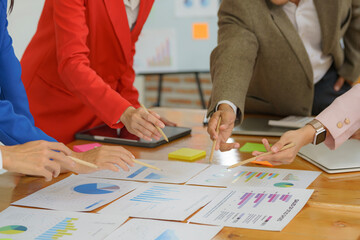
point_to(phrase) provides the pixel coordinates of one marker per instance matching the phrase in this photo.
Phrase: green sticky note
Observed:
(250, 147)
(187, 154)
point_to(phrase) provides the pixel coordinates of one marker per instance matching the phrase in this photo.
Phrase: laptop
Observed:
(104, 133)
(345, 158)
(259, 127)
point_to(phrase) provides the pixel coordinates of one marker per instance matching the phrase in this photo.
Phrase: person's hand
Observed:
(39, 158)
(356, 135)
(300, 138)
(141, 123)
(228, 118)
(340, 82)
(105, 157)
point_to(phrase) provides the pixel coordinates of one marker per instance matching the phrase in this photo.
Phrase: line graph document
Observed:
(162, 201)
(25, 223)
(217, 175)
(146, 229)
(172, 172)
(255, 208)
(77, 193)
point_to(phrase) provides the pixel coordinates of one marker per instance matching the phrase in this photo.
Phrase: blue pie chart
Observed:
(96, 188)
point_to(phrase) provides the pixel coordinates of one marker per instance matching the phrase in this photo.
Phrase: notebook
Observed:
(345, 158)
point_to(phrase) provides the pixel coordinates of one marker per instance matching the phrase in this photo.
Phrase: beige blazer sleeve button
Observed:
(347, 121)
(339, 124)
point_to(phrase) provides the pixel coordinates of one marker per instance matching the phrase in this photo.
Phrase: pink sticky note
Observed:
(85, 147)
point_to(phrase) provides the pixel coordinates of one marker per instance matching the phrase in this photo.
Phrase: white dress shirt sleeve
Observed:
(228, 103)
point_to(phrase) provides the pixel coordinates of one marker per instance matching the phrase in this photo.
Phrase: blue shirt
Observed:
(16, 122)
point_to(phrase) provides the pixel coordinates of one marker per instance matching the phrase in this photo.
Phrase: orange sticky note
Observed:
(200, 31)
(265, 163)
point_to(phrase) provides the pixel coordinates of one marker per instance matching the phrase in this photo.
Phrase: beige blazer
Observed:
(260, 63)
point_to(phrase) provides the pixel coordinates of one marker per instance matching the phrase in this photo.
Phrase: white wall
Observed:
(22, 23)
(22, 26)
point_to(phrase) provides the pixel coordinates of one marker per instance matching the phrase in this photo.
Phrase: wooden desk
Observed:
(333, 212)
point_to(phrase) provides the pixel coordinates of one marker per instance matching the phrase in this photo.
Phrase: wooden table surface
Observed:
(333, 211)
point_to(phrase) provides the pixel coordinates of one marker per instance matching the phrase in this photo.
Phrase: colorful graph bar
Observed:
(245, 198)
(168, 234)
(285, 198)
(273, 175)
(162, 57)
(259, 198)
(63, 228)
(155, 194)
(137, 172)
(250, 175)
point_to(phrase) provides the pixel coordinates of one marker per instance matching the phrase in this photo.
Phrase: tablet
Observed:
(259, 127)
(104, 133)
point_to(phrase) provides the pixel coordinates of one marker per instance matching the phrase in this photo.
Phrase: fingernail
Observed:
(337, 88)
(133, 157)
(274, 149)
(162, 125)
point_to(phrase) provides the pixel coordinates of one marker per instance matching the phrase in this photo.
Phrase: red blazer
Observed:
(78, 68)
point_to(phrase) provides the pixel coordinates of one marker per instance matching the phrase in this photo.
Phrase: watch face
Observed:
(320, 137)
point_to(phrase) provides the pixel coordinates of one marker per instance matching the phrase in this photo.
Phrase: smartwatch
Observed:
(320, 131)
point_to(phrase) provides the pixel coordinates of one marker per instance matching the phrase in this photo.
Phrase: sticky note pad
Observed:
(264, 163)
(187, 154)
(85, 147)
(250, 147)
(200, 31)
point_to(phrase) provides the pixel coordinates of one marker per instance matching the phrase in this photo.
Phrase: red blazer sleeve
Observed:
(129, 76)
(74, 68)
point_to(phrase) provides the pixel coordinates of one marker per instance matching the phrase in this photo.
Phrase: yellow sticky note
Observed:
(200, 31)
(187, 154)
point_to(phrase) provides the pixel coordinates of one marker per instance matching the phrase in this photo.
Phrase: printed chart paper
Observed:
(255, 208)
(217, 175)
(77, 193)
(145, 229)
(172, 172)
(25, 223)
(156, 51)
(162, 201)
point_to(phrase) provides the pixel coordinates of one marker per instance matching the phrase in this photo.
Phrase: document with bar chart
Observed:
(162, 201)
(217, 175)
(172, 172)
(25, 223)
(146, 229)
(76, 193)
(255, 208)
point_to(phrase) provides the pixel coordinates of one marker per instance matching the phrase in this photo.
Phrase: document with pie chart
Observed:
(172, 172)
(220, 176)
(18, 223)
(77, 193)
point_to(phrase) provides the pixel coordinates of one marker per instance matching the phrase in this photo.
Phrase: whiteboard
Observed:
(178, 36)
